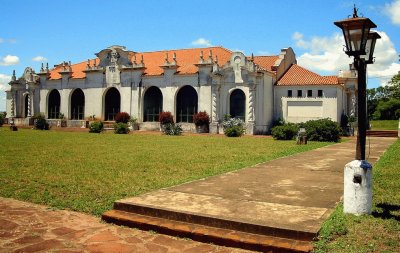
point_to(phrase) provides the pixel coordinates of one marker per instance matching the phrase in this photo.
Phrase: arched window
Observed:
(26, 112)
(152, 104)
(112, 104)
(238, 104)
(53, 109)
(77, 104)
(186, 104)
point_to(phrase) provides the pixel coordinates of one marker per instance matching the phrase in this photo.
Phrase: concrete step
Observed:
(382, 133)
(208, 234)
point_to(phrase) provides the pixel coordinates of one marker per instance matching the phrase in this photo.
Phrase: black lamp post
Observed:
(360, 43)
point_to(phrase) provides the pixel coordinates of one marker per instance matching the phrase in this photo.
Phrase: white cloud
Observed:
(9, 60)
(202, 42)
(264, 53)
(326, 54)
(1, 40)
(4, 80)
(393, 11)
(39, 59)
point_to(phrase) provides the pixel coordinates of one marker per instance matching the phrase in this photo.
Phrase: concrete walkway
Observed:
(288, 197)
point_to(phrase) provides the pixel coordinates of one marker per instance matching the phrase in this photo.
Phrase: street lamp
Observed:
(360, 43)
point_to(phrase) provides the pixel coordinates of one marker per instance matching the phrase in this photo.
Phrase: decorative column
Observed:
(214, 126)
(251, 103)
(353, 103)
(30, 101)
(13, 104)
(251, 118)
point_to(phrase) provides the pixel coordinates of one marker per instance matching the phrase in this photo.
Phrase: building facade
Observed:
(257, 89)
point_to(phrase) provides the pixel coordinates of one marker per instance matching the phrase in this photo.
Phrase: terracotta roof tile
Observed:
(297, 75)
(266, 62)
(186, 60)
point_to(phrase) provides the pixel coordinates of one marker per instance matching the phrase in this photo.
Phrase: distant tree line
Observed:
(384, 101)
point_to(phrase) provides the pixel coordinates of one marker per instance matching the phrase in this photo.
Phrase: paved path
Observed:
(295, 193)
(26, 227)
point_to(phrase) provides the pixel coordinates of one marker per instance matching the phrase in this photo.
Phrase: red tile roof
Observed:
(266, 62)
(297, 75)
(186, 60)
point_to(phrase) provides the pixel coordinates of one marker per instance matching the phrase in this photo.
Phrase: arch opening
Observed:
(112, 104)
(77, 105)
(186, 104)
(53, 110)
(152, 104)
(237, 107)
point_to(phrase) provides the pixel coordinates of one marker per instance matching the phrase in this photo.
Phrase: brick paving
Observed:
(27, 227)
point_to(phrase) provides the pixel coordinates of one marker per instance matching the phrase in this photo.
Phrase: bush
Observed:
(40, 122)
(287, 131)
(201, 119)
(233, 127)
(121, 128)
(96, 127)
(2, 117)
(166, 118)
(172, 129)
(234, 131)
(122, 117)
(322, 130)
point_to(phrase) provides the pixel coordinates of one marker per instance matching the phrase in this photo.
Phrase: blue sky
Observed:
(32, 32)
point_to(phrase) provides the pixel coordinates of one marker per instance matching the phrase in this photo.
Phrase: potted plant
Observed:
(63, 122)
(165, 118)
(202, 121)
(134, 125)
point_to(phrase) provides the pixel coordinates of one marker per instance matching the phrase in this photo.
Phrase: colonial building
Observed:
(257, 89)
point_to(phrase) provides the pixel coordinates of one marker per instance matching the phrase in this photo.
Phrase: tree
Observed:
(383, 101)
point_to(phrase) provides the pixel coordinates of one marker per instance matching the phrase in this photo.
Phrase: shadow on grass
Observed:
(386, 211)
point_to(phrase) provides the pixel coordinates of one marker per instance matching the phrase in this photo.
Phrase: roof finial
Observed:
(42, 68)
(13, 78)
(88, 64)
(252, 57)
(355, 15)
(166, 58)
(174, 57)
(47, 67)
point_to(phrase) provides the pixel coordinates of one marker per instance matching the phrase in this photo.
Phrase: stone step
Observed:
(208, 234)
(202, 218)
(382, 133)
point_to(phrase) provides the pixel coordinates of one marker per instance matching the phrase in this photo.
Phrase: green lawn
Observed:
(88, 172)
(379, 232)
(384, 124)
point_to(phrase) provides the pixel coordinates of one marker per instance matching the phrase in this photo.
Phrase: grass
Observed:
(384, 124)
(378, 232)
(88, 172)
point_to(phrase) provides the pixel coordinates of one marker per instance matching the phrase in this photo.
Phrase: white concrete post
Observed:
(358, 187)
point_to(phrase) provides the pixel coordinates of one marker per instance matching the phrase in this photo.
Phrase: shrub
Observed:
(287, 131)
(201, 119)
(233, 127)
(166, 118)
(96, 127)
(172, 129)
(2, 117)
(40, 122)
(122, 117)
(322, 130)
(121, 128)
(234, 131)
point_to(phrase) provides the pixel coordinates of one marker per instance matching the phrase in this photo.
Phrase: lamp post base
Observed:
(357, 195)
